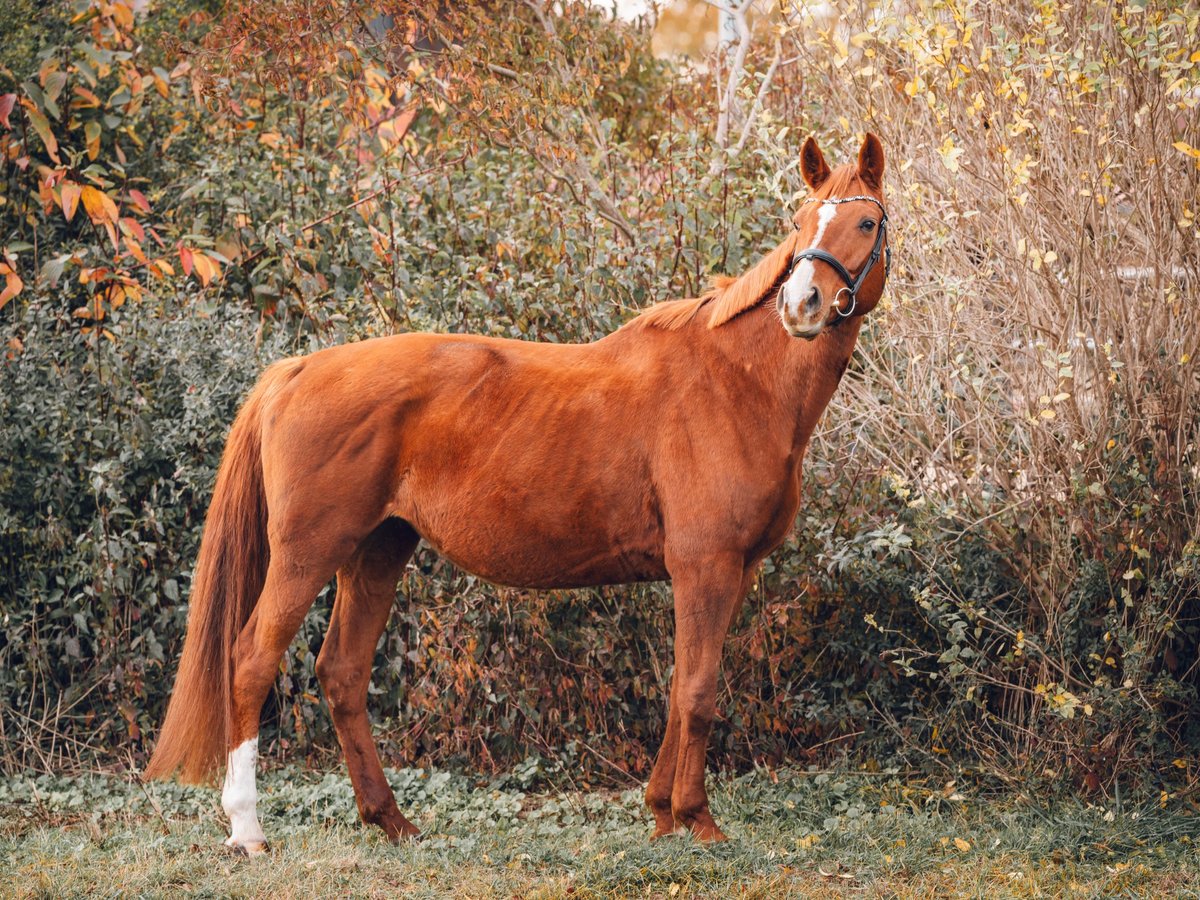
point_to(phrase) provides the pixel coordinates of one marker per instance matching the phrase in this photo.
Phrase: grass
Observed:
(793, 835)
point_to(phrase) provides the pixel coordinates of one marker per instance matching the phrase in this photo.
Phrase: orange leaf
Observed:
(70, 198)
(87, 100)
(12, 287)
(207, 268)
(100, 207)
(7, 102)
(185, 259)
(136, 249)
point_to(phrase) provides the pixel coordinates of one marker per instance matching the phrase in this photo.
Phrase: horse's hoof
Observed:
(712, 835)
(248, 849)
(663, 831)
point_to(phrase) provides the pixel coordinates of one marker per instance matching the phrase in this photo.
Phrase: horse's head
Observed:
(842, 264)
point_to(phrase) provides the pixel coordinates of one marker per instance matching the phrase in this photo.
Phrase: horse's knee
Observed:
(342, 685)
(697, 709)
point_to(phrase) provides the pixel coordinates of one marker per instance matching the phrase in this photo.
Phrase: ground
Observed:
(794, 834)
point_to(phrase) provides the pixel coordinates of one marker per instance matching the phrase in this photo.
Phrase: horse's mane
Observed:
(728, 297)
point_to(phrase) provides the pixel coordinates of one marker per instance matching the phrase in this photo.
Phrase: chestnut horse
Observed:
(668, 449)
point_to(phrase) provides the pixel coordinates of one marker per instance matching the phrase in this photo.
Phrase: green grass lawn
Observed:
(792, 835)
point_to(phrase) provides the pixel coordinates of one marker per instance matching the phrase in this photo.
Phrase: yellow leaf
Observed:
(962, 845)
(1183, 147)
(950, 153)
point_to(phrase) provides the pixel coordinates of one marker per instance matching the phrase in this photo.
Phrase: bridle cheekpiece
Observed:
(852, 284)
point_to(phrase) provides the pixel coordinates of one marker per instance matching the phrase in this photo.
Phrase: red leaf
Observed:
(133, 227)
(185, 259)
(139, 200)
(7, 102)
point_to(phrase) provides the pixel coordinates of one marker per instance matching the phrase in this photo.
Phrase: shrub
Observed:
(995, 564)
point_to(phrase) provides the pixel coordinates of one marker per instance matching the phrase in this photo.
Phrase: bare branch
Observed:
(760, 96)
(737, 66)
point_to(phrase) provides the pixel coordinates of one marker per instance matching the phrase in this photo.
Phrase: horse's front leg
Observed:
(708, 591)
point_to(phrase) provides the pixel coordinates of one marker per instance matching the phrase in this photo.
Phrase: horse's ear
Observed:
(870, 161)
(812, 164)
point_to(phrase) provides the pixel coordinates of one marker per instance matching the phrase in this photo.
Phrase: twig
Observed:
(384, 188)
(760, 97)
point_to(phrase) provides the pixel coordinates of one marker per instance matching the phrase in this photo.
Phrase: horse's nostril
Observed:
(813, 301)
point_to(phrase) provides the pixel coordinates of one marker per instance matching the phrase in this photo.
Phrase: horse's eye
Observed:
(867, 225)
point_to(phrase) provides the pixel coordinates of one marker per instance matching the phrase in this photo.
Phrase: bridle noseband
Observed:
(852, 284)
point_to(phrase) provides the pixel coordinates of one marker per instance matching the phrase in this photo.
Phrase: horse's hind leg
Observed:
(662, 777)
(287, 594)
(366, 589)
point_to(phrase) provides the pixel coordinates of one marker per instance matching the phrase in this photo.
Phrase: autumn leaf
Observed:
(92, 132)
(42, 126)
(206, 267)
(135, 250)
(53, 84)
(86, 99)
(69, 196)
(185, 259)
(160, 268)
(12, 281)
(133, 228)
(950, 154)
(139, 200)
(100, 207)
(7, 102)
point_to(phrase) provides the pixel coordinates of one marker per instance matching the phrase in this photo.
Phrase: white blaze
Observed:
(799, 284)
(239, 796)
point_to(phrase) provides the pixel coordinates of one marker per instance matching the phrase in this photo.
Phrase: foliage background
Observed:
(996, 566)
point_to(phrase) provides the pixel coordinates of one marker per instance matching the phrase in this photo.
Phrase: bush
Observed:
(995, 565)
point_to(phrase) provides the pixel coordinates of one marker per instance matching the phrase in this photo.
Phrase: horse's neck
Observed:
(792, 380)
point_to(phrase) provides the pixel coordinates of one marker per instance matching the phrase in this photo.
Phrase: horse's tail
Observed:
(229, 576)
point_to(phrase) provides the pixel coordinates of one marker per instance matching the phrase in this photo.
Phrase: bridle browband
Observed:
(852, 284)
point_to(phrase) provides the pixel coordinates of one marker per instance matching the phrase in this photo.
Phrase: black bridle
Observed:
(852, 284)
